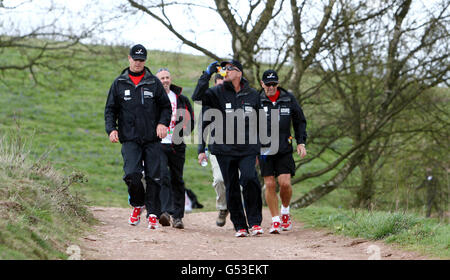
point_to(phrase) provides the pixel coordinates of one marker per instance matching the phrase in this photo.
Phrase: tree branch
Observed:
(172, 29)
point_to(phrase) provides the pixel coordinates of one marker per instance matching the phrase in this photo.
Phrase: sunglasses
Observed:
(271, 84)
(231, 68)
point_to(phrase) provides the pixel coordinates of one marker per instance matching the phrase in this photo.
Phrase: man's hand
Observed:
(201, 157)
(212, 68)
(114, 136)
(161, 131)
(301, 150)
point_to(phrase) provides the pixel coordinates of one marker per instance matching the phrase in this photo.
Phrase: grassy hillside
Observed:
(66, 117)
(63, 115)
(40, 216)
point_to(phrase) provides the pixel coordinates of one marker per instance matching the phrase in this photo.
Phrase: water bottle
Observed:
(221, 72)
(204, 162)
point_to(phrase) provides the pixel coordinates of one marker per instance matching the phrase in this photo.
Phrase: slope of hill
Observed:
(65, 115)
(40, 216)
(62, 116)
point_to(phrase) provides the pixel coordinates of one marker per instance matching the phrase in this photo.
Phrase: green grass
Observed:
(67, 119)
(64, 118)
(40, 216)
(409, 231)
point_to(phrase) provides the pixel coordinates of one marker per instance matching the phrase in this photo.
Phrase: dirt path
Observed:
(203, 240)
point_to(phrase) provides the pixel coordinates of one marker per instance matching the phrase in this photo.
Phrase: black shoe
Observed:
(221, 220)
(178, 223)
(164, 220)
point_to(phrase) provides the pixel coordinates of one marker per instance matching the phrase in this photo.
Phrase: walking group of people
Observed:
(144, 112)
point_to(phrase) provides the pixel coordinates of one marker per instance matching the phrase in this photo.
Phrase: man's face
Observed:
(233, 73)
(136, 66)
(166, 80)
(270, 88)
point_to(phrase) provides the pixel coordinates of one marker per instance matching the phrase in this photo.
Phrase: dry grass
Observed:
(40, 215)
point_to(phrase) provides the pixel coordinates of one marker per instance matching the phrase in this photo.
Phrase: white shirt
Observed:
(173, 102)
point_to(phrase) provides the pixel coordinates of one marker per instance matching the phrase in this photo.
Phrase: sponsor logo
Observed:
(285, 111)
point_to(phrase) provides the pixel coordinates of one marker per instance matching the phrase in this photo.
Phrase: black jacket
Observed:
(289, 112)
(202, 85)
(135, 111)
(243, 105)
(185, 113)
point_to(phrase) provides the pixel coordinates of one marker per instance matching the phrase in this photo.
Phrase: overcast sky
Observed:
(201, 25)
(204, 26)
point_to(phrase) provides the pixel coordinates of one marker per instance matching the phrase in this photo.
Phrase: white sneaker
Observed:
(241, 233)
(135, 216)
(286, 223)
(275, 228)
(256, 230)
(152, 222)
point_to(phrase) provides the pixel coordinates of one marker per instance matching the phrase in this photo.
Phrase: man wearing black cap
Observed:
(280, 163)
(237, 105)
(218, 182)
(137, 113)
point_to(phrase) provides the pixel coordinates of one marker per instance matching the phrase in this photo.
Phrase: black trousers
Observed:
(172, 184)
(251, 192)
(133, 155)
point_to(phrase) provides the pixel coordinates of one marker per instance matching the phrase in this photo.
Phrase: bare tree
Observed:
(245, 31)
(355, 66)
(378, 71)
(304, 54)
(50, 44)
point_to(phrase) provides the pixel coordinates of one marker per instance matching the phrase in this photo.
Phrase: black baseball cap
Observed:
(270, 76)
(233, 62)
(138, 52)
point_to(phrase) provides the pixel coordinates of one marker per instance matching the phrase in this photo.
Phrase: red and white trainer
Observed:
(241, 233)
(286, 223)
(135, 216)
(275, 228)
(256, 230)
(152, 222)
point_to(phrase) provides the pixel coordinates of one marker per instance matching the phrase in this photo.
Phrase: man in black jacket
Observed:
(218, 182)
(280, 163)
(173, 152)
(137, 113)
(236, 145)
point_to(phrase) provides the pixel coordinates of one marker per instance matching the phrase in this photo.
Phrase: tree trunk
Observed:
(304, 58)
(329, 186)
(367, 189)
(245, 39)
